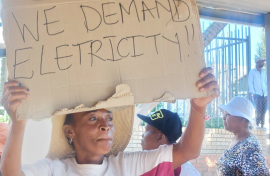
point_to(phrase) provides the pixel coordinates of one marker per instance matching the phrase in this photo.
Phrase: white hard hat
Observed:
(241, 107)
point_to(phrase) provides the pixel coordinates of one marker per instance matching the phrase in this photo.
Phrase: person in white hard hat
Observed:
(257, 84)
(244, 156)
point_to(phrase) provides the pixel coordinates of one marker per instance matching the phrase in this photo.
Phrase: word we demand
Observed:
(91, 31)
(76, 52)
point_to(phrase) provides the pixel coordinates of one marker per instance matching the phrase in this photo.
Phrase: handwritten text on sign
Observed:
(79, 51)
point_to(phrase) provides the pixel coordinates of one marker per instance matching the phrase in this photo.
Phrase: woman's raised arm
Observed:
(13, 94)
(189, 147)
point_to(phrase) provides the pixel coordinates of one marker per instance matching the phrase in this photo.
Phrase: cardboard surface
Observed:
(76, 52)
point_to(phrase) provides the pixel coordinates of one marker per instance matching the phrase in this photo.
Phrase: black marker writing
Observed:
(178, 43)
(57, 58)
(128, 12)
(86, 22)
(104, 17)
(155, 40)
(42, 63)
(92, 54)
(79, 44)
(118, 47)
(47, 24)
(24, 26)
(112, 49)
(16, 64)
(145, 8)
(193, 32)
(158, 3)
(172, 15)
(134, 46)
(187, 35)
(176, 7)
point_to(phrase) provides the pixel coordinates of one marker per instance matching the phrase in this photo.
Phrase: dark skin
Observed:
(236, 125)
(259, 65)
(153, 138)
(92, 133)
(187, 148)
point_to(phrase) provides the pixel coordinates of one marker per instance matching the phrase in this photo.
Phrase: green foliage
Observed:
(2, 116)
(216, 123)
(2, 119)
(261, 47)
(158, 107)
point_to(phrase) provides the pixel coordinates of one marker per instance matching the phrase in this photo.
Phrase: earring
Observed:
(70, 140)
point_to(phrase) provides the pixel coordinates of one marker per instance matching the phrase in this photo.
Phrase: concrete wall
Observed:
(215, 142)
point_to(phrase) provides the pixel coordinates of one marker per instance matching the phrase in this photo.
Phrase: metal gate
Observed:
(229, 55)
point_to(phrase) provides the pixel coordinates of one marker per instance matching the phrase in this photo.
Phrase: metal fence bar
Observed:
(239, 65)
(229, 64)
(242, 58)
(233, 44)
(228, 38)
(229, 56)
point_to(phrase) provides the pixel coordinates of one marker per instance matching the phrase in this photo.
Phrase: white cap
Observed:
(259, 59)
(241, 107)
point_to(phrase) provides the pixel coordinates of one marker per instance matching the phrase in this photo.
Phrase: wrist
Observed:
(19, 123)
(201, 108)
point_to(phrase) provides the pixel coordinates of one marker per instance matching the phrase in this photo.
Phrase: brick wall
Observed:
(135, 140)
(215, 142)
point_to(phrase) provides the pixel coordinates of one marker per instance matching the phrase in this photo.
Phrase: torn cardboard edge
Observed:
(149, 76)
(122, 99)
(167, 97)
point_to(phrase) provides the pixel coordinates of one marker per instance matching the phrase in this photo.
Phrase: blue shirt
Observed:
(257, 82)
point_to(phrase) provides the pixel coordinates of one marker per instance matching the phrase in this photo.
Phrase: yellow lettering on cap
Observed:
(157, 115)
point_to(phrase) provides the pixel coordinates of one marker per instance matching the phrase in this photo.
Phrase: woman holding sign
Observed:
(91, 134)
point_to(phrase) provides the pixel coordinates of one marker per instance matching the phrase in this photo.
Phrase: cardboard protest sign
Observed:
(71, 52)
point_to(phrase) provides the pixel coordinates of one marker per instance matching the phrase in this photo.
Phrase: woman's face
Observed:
(92, 132)
(231, 123)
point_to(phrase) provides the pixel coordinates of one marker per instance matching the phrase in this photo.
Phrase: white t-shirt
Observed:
(188, 170)
(145, 163)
